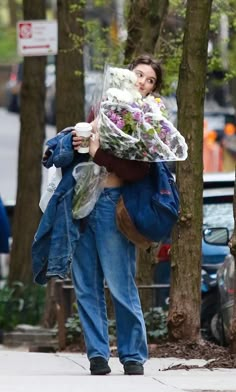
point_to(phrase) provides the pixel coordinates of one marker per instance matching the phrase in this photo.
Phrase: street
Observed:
(9, 142)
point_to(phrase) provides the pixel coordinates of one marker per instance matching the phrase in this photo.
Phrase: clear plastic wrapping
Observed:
(89, 179)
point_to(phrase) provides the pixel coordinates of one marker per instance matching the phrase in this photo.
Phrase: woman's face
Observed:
(147, 78)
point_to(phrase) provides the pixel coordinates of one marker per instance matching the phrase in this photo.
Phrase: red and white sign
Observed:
(37, 37)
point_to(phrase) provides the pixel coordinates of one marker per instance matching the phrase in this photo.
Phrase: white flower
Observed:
(121, 78)
(115, 94)
(120, 86)
(150, 99)
(136, 95)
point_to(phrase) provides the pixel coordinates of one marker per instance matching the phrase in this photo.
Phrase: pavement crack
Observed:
(167, 385)
(71, 360)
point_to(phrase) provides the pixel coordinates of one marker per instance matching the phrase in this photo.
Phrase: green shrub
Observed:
(156, 324)
(20, 304)
(73, 329)
(155, 320)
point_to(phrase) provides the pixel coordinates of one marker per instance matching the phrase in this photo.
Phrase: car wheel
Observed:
(209, 309)
(220, 331)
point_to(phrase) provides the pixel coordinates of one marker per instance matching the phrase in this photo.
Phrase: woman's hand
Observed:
(94, 142)
(76, 140)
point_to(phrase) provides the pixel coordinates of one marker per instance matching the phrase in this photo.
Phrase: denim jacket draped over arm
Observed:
(58, 233)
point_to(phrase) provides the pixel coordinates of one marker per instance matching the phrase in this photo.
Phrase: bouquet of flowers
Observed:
(133, 127)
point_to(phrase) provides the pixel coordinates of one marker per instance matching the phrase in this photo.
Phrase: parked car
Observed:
(220, 325)
(14, 82)
(225, 284)
(217, 212)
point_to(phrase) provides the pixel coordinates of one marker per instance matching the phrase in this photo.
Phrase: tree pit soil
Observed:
(217, 356)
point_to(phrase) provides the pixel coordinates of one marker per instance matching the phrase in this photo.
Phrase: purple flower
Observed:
(134, 105)
(146, 107)
(114, 117)
(162, 134)
(120, 123)
(148, 120)
(137, 116)
(164, 127)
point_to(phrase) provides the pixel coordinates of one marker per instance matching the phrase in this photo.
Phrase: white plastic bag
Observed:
(89, 179)
(54, 177)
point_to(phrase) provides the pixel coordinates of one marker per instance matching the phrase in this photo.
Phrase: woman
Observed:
(104, 254)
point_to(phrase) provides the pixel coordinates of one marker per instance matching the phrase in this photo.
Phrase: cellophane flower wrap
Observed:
(89, 179)
(133, 127)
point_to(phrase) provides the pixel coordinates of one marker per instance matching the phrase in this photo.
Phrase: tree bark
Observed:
(69, 86)
(32, 134)
(184, 312)
(144, 26)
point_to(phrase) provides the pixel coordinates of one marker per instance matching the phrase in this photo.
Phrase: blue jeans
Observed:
(105, 255)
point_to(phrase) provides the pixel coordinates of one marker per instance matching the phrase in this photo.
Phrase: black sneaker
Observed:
(99, 366)
(133, 368)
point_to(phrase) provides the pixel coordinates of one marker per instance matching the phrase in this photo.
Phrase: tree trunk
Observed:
(144, 25)
(145, 265)
(69, 94)
(12, 12)
(69, 85)
(49, 318)
(32, 133)
(184, 313)
(232, 332)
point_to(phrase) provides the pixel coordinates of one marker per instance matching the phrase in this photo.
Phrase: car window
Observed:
(218, 215)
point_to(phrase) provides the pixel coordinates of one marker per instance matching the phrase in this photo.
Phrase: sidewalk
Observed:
(22, 371)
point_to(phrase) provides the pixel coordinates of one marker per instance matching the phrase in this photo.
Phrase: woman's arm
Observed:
(126, 169)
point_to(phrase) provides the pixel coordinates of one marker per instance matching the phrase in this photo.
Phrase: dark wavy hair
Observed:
(155, 64)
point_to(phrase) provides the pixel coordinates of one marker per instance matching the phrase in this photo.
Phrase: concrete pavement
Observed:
(22, 371)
